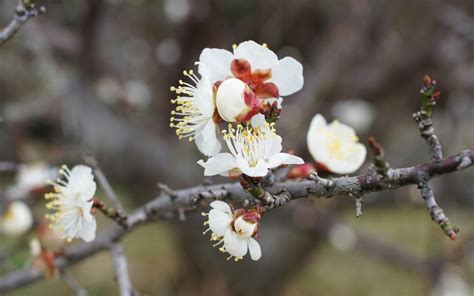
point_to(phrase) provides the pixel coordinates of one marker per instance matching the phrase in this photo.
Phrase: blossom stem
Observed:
(111, 213)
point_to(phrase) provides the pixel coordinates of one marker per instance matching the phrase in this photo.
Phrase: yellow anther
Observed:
(265, 45)
(172, 88)
(234, 46)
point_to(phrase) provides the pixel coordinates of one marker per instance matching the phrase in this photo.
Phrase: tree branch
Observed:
(23, 13)
(192, 198)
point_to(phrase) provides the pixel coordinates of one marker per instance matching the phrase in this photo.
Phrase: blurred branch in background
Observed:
(24, 11)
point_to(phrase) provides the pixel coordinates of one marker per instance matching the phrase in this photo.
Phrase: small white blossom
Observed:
(234, 230)
(30, 178)
(253, 151)
(194, 114)
(335, 146)
(16, 220)
(256, 65)
(72, 204)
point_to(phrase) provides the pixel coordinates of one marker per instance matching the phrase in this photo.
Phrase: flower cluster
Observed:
(233, 87)
(71, 203)
(239, 95)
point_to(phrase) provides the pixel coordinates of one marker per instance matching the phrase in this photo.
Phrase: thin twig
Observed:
(437, 213)
(121, 270)
(73, 284)
(90, 160)
(23, 13)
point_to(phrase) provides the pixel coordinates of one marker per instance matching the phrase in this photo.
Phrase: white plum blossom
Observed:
(72, 204)
(258, 68)
(194, 115)
(234, 230)
(16, 220)
(253, 151)
(335, 146)
(30, 178)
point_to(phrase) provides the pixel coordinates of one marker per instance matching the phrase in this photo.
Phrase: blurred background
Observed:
(95, 75)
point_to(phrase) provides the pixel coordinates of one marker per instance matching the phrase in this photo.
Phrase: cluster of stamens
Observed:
(248, 142)
(55, 205)
(188, 118)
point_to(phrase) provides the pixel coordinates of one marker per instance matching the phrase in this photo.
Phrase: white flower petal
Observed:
(218, 164)
(81, 183)
(288, 76)
(207, 141)
(205, 97)
(221, 206)
(272, 144)
(350, 164)
(254, 249)
(278, 159)
(219, 221)
(214, 63)
(259, 57)
(234, 245)
(87, 231)
(259, 170)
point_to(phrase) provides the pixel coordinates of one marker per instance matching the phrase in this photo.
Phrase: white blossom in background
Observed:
(16, 220)
(193, 117)
(253, 152)
(72, 203)
(234, 230)
(335, 146)
(451, 283)
(29, 179)
(357, 113)
(35, 247)
(261, 73)
(137, 93)
(342, 237)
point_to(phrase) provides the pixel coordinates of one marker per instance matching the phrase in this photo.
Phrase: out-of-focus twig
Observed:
(91, 161)
(77, 289)
(7, 166)
(24, 11)
(121, 270)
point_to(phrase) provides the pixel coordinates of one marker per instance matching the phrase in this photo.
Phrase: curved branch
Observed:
(172, 202)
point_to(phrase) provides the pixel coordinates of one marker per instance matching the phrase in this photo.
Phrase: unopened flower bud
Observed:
(236, 102)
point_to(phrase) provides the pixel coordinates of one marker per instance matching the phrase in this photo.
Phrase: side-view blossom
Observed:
(194, 117)
(253, 151)
(234, 231)
(30, 179)
(72, 203)
(256, 67)
(335, 146)
(16, 220)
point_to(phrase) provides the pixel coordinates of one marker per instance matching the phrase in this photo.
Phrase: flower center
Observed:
(246, 142)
